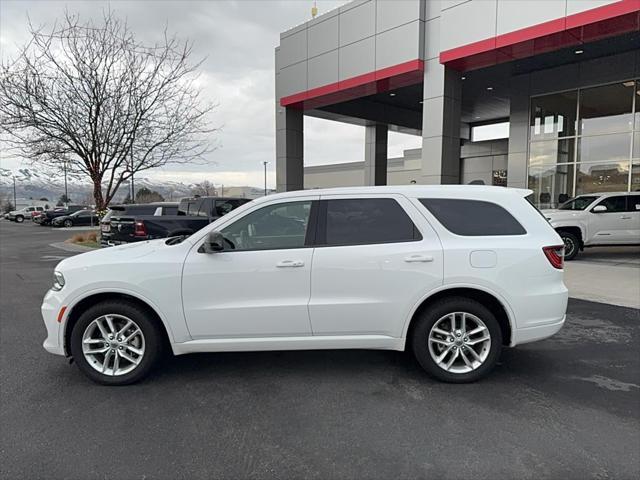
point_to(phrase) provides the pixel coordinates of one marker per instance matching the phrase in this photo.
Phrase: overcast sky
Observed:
(238, 40)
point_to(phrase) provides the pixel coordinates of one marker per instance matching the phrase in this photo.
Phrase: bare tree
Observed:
(204, 188)
(94, 97)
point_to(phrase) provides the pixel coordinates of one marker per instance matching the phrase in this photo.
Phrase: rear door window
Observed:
(363, 221)
(633, 203)
(472, 218)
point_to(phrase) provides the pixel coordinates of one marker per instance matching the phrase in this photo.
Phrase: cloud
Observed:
(237, 40)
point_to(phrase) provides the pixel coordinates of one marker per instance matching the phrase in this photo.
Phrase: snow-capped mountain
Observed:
(43, 183)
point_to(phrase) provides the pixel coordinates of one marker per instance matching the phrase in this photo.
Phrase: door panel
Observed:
(259, 286)
(614, 225)
(371, 288)
(247, 294)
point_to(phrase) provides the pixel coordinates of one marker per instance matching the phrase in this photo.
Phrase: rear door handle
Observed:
(418, 258)
(290, 264)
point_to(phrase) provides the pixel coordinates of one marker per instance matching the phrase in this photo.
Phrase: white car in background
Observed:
(453, 273)
(597, 219)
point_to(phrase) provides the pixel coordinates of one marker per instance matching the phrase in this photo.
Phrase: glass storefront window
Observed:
(607, 109)
(616, 147)
(635, 177)
(552, 185)
(553, 116)
(552, 151)
(602, 177)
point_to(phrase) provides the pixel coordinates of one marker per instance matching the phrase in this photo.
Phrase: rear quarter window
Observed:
(473, 218)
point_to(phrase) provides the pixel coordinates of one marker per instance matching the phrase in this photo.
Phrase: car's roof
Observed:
(458, 191)
(605, 194)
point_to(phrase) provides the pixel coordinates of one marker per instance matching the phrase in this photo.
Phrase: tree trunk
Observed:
(97, 194)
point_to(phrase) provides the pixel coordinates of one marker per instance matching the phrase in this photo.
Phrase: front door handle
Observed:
(418, 258)
(290, 264)
(625, 217)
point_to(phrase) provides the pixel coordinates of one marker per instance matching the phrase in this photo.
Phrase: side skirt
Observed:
(320, 342)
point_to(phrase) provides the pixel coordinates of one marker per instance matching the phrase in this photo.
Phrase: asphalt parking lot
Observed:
(567, 407)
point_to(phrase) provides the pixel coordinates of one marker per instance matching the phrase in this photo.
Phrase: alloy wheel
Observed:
(113, 345)
(459, 342)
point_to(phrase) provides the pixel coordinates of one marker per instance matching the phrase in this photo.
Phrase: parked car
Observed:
(43, 215)
(453, 273)
(21, 214)
(597, 219)
(123, 217)
(191, 215)
(49, 215)
(81, 218)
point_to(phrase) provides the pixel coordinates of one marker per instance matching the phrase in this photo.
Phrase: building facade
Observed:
(560, 76)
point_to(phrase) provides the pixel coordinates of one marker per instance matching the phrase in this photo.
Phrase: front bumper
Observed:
(51, 306)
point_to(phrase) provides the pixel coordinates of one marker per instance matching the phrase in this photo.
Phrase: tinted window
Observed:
(283, 225)
(222, 207)
(172, 210)
(473, 217)
(633, 203)
(614, 204)
(366, 221)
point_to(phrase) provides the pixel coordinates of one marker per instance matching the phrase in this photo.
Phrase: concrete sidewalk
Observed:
(606, 275)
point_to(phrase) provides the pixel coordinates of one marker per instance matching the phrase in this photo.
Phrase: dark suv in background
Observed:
(120, 219)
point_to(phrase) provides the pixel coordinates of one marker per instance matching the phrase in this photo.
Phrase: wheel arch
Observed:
(75, 311)
(574, 229)
(480, 294)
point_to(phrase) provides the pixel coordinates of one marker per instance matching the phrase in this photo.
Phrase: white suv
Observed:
(597, 219)
(451, 272)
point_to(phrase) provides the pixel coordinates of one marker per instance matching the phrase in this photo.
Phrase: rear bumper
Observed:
(538, 332)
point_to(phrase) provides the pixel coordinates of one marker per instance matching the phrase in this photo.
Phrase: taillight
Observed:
(140, 230)
(555, 255)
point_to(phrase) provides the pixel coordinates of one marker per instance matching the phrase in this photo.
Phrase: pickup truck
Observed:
(120, 218)
(26, 212)
(192, 215)
(597, 219)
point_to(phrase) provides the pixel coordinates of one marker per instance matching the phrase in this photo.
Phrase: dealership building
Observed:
(523, 93)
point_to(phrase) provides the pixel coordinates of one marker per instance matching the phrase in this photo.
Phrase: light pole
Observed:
(66, 193)
(265, 178)
(15, 205)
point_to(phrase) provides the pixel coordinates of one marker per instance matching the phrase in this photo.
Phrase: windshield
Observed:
(578, 203)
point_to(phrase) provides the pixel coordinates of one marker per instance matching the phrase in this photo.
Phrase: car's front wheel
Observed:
(457, 340)
(571, 245)
(115, 343)
(19, 219)
(68, 223)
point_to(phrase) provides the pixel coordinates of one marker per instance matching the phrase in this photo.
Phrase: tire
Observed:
(19, 219)
(68, 223)
(571, 245)
(149, 342)
(438, 315)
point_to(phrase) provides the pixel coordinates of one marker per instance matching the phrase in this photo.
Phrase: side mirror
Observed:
(214, 242)
(599, 209)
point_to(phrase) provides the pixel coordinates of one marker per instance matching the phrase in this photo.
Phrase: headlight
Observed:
(58, 281)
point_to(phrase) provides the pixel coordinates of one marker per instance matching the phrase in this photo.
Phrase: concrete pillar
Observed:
(375, 154)
(289, 149)
(518, 131)
(441, 110)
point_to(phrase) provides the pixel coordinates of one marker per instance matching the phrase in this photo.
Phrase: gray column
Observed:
(441, 124)
(518, 131)
(289, 149)
(375, 154)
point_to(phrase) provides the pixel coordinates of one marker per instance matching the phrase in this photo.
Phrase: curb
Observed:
(70, 247)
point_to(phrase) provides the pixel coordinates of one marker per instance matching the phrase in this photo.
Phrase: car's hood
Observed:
(562, 215)
(119, 254)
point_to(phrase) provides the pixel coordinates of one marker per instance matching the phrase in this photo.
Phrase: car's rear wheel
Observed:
(571, 245)
(68, 223)
(457, 340)
(115, 343)
(19, 219)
